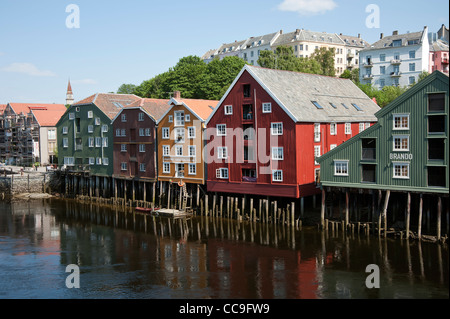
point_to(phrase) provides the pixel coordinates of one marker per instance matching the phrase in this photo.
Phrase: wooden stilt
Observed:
(419, 232)
(153, 192)
(322, 211)
(346, 209)
(168, 195)
(386, 202)
(438, 221)
(408, 214)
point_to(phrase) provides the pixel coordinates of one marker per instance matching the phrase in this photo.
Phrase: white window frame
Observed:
(179, 118)
(90, 128)
(71, 116)
(123, 118)
(165, 133)
(361, 127)
(401, 137)
(166, 168)
(141, 148)
(118, 132)
(317, 133)
(333, 146)
(90, 114)
(69, 161)
(105, 128)
(141, 132)
(267, 107)
(400, 164)
(65, 130)
(333, 129)
(142, 167)
(104, 142)
(99, 161)
(400, 118)
(141, 117)
(339, 166)
(180, 132)
(123, 132)
(189, 132)
(220, 173)
(97, 121)
(192, 169)
(276, 129)
(222, 152)
(98, 142)
(91, 142)
(348, 128)
(187, 118)
(317, 152)
(123, 166)
(194, 152)
(221, 130)
(170, 118)
(166, 150)
(275, 174)
(105, 161)
(91, 160)
(228, 109)
(147, 132)
(177, 150)
(276, 153)
(123, 147)
(65, 142)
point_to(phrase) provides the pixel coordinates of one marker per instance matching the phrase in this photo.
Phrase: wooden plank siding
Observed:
(413, 103)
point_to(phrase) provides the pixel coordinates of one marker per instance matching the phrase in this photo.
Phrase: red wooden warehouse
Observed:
(268, 128)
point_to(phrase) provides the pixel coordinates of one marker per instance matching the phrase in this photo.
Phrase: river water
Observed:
(121, 254)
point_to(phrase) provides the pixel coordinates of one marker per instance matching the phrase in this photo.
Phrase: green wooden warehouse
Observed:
(406, 151)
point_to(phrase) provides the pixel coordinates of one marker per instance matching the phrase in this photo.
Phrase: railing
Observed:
(248, 116)
(396, 61)
(395, 74)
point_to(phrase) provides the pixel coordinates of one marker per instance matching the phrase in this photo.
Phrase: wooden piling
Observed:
(322, 211)
(438, 222)
(346, 209)
(292, 214)
(419, 231)
(386, 202)
(408, 214)
(221, 205)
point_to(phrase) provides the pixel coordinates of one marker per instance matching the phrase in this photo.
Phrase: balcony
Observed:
(396, 74)
(368, 76)
(368, 64)
(396, 61)
(444, 61)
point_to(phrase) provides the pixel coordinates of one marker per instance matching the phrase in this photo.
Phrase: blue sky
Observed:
(132, 41)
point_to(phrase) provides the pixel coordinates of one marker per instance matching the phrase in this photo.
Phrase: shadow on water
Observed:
(124, 254)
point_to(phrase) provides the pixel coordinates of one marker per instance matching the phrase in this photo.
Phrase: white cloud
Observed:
(307, 7)
(27, 68)
(85, 81)
(2, 53)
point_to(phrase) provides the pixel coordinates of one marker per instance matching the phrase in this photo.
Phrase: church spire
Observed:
(69, 95)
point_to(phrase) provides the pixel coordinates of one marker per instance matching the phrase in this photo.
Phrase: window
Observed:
(141, 132)
(65, 142)
(397, 43)
(316, 104)
(51, 134)
(191, 132)
(222, 173)
(141, 148)
(170, 118)
(142, 167)
(246, 90)
(123, 147)
(99, 161)
(228, 109)
(436, 102)
(221, 130)
(368, 173)
(69, 161)
(104, 141)
(437, 176)
(71, 116)
(412, 54)
(65, 130)
(192, 151)
(412, 80)
(317, 152)
(165, 133)
(348, 128)
(90, 114)
(333, 146)
(222, 152)
(267, 107)
(123, 132)
(436, 149)
(412, 67)
(179, 118)
(333, 129)
(382, 57)
(341, 168)
(277, 176)
(382, 70)
(187, 117)
(179, 150)
(192, 169)
(345, 106)
(277, 153)
(356, 106)
(179, 135)
(361, 127)
(124, 117)
(105, 161)
(401, 143)
(401, 170)
(91, 142)
(104, 128)
(277, 128)
(333, 105)
(97, 121)
(118, 132)
(166, 168)
(91, 161)
(98, 142)
(123, 166)
(436, 124)
(166, 150)
(90, 128)
(401, 121)
(369, 148)
(147, 132)
(141, 117)
(382, 83)
(316, 132)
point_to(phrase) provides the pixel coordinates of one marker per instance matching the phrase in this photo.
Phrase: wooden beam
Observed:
(419, 232)
(438, 226)
(386, 202)
(408, 214)
(322, 211)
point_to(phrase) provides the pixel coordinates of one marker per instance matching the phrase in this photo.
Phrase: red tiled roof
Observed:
(2, 108)
(26, 107)
(48, 117)
(203, 108)
(155, 107)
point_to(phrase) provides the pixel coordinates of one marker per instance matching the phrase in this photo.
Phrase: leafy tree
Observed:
(282, 59)
(126, 89)
(422, 76)
(325, 57)
(352, 75)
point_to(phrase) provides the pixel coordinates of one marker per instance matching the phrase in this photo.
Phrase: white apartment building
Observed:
(395, 60)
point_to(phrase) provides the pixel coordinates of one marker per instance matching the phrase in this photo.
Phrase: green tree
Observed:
(126, 89)
(325, 57)
(352, 75)
(422, 76)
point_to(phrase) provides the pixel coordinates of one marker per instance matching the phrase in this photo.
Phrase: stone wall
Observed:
(26, 183)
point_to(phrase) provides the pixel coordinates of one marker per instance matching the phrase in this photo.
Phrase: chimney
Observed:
(177, 95)
(381, 36)
(281, 31)
(359, 35)
(395, 32)
(297, 31)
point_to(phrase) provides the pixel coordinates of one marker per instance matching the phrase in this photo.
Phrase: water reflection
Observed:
(123, 254)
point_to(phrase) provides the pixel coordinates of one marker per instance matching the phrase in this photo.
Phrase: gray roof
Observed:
(259, 40)
(439, 45)
(353, 41)
(387, 41)
(305, 35)
(296, 91)
(234, 46)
